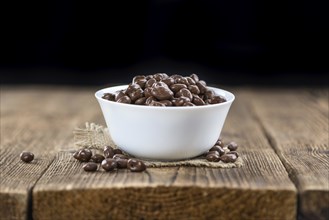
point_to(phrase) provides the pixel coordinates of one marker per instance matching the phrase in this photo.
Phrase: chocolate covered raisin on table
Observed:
(90, 167)
(213, 156)
(83, 155)
(26, 156)
(135, 165)
(109, 164)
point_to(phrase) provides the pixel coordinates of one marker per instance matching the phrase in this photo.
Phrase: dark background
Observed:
(226, 42)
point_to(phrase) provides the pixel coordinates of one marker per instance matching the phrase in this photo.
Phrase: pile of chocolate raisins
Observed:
(163, 90)
(221, 152)
(111, 159)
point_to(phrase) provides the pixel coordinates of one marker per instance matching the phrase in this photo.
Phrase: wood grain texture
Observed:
(320, 99)
(259, 190)
(296, 123)
(37, 120)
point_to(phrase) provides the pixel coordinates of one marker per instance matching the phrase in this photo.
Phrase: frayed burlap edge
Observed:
(96, 137)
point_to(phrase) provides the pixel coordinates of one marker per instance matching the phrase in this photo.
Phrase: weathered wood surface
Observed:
(40, 121)
(55, 186)
(65, 191)
(297, 126)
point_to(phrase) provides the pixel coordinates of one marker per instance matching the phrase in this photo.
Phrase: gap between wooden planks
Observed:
(259, 190)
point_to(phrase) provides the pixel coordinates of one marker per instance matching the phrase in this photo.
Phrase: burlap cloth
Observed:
(96, 137)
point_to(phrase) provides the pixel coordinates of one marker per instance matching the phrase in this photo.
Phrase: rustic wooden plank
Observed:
(41, 121)
(320, 98)
(261, 189)
(297, 125)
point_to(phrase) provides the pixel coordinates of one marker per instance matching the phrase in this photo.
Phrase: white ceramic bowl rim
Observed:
(228, 95)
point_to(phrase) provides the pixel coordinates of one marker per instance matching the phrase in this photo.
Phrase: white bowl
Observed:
(164, 133)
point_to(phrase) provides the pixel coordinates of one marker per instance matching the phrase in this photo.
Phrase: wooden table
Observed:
(283, 138)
